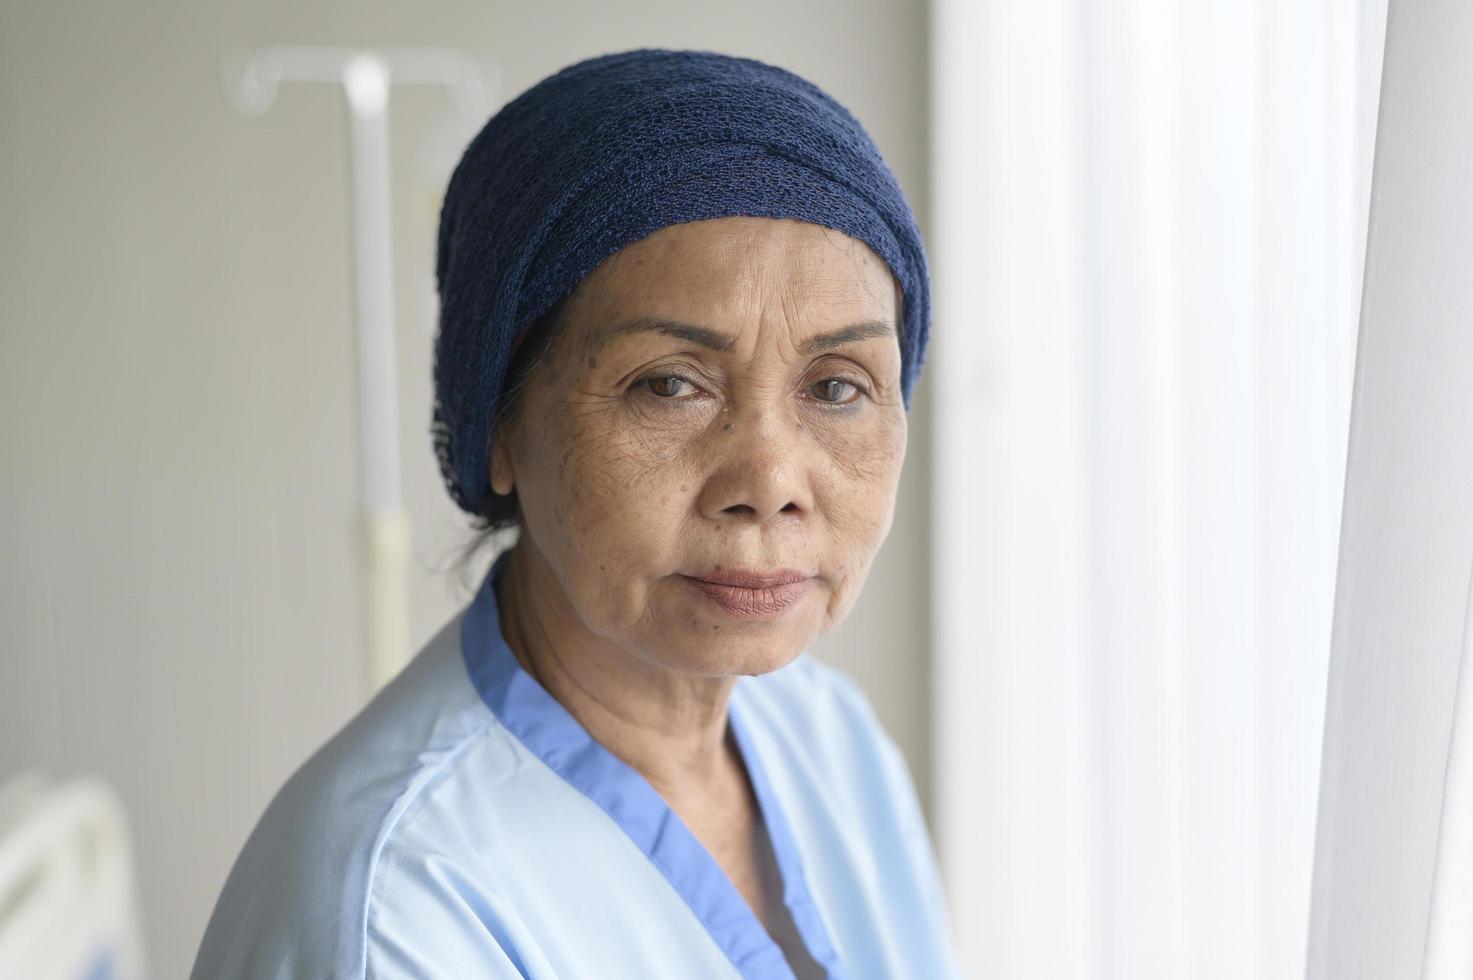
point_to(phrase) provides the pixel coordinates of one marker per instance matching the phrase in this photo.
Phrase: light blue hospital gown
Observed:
(465, 825)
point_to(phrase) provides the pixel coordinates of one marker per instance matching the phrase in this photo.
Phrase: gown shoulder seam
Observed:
(420, 785)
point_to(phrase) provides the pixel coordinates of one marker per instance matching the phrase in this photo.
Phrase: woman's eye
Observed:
(831, 391)
(665, 385)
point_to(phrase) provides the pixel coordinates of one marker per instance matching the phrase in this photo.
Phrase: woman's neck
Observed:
(669, 725)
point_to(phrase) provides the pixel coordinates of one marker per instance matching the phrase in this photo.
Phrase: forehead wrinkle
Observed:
(742, 262)
(723, 342)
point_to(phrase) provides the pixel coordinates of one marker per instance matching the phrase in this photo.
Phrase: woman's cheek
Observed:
(630, 475)
(864, 454)
(859, 484)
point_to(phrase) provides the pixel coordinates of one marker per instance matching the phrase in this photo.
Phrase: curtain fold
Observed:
(1393, 870)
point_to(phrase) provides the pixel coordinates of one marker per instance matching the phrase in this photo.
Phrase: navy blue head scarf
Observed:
(609, 150)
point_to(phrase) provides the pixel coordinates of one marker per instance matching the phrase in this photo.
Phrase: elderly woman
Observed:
(618, 761)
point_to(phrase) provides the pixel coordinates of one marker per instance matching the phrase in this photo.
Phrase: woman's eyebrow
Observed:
(718, 341)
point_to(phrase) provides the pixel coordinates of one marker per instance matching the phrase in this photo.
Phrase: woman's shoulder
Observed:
(296, 899)
(851, 791)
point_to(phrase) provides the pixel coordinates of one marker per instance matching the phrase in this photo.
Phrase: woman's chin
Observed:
(731, 652)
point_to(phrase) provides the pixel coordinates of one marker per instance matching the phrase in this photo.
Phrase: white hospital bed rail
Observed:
(68, 908)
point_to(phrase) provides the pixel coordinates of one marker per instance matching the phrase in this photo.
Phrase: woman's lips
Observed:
(749, 601)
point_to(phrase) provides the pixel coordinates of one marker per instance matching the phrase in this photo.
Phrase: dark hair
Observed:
(504, 511)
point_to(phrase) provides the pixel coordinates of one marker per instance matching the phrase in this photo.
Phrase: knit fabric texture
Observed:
(609, 150)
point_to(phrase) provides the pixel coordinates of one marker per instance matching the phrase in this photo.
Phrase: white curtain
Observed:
(1147, 229)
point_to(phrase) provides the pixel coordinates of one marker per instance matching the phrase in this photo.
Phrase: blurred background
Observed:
(1100, 629)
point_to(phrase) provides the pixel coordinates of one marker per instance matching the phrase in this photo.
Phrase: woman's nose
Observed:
(758, 469)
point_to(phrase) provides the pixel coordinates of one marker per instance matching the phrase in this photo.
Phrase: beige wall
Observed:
(178, 587)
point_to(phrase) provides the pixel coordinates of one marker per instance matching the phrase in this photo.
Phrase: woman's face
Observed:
(725, 399)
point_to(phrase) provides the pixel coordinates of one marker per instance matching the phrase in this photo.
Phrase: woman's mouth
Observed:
(752, 595)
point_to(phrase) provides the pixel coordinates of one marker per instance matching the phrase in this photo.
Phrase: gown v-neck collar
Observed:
(550, 732)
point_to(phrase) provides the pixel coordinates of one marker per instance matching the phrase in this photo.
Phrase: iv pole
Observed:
(250, 82)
